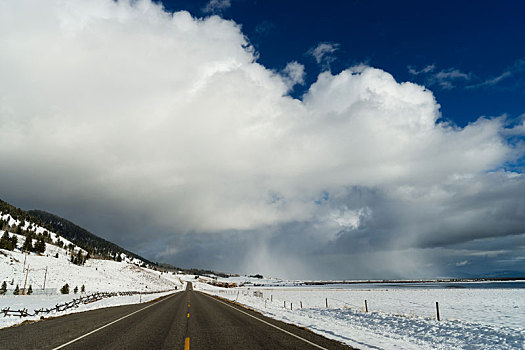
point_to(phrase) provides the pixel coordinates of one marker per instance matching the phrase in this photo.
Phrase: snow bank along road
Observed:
(186, 320)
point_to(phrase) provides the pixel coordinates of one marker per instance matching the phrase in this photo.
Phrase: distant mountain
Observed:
(97, 246)
(193, 271)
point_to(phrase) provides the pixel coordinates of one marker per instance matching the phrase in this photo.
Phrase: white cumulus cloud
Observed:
(166, 125)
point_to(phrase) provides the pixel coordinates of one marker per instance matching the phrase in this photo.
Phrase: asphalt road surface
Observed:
(185, 320)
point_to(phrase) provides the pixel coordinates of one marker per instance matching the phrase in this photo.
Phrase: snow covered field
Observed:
(397, 318)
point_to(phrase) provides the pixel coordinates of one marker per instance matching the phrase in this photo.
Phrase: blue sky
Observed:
(357, 139)
(478, 47)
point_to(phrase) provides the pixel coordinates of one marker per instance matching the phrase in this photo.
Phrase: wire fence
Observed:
(273, 300)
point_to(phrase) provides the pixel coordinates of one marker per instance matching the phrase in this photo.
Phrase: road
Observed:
(184, 320)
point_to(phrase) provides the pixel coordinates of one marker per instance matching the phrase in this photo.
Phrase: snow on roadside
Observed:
(382, 330)
(35, 302)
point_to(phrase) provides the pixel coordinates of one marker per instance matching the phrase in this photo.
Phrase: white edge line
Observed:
(268, 323)
(109, 324)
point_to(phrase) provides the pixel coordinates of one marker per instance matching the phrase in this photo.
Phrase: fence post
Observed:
(271, 298)
(291, 306)
(366, 306)
(326, 302)
(437, 311)
(284, 303)
(301, 304)
(6, 311)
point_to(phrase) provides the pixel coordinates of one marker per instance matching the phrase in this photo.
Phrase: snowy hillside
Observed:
(97, 246)
(54, 267)
(36, 229)
(45, 273)
(96, 275)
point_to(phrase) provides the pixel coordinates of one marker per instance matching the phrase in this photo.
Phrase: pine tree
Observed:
(17, 290)
(82, 289)
(75, 290)
(28, 244)
(14, 242)
(30, 290)
(3, 290)
(40, 246)
(4, 241)
(65, 289)
(80, 258)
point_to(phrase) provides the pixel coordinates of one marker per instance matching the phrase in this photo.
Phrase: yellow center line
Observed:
(187, 344)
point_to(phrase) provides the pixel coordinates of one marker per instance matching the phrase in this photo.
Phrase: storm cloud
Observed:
(162, 132)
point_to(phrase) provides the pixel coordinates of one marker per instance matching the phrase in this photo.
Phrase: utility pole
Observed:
(25, 257)
(25, 282)
(45, 276)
